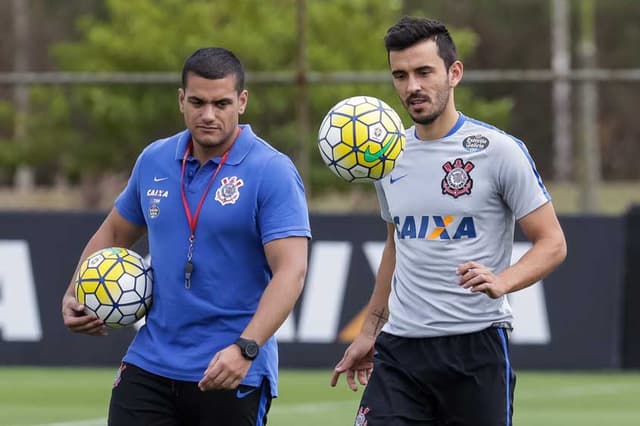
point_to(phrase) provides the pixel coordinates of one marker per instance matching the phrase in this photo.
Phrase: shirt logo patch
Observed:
(457, 180)
(475, 143)
(154, 211)
(158, 193)
(393, 180)
(435, 228)
(229, 191)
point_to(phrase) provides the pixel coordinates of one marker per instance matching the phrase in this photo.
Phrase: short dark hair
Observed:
(214, 63)
(411, 30)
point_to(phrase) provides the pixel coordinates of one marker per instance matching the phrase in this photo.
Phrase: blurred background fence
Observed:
(86, 84)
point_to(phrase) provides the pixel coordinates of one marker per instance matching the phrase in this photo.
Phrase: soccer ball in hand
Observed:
(115, 284)
(361, 138)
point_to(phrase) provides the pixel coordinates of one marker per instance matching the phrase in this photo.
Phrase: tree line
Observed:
(78, 132)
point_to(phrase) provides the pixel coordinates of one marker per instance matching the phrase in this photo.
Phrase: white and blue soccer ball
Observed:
(116, 284)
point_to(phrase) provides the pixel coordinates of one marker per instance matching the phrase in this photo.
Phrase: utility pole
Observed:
(24, 177)
(589, 142)
(561, 66)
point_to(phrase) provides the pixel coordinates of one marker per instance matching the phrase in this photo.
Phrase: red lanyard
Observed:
(192, 219)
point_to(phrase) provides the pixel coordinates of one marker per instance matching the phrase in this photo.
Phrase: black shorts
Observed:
(445, 381)
(142, 398)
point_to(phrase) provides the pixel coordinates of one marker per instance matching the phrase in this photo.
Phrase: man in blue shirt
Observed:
(227, 223)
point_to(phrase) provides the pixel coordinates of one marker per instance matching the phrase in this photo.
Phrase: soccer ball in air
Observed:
(115, 284)
(361, 138)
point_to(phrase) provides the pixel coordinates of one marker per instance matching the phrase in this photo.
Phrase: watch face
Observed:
(251, 350)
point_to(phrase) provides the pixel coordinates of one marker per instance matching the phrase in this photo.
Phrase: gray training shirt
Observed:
(454, 200)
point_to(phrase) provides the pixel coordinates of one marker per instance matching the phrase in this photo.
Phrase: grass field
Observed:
(79, 397)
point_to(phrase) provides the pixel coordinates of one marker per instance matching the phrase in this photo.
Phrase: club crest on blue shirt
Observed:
(457, 180)
(229, 191)
(154, 211)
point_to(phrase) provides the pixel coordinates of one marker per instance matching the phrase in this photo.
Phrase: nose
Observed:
(413, 85)
(208, 112)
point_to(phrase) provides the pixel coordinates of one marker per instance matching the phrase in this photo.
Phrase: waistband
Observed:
(502, 324)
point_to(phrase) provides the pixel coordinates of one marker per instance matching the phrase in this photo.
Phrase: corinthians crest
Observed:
(361, 418)
(229, 192)
(456, 180)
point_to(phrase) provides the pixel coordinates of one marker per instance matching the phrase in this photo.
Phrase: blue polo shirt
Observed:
(256, 197)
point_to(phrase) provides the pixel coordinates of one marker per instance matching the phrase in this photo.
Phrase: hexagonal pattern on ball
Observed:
(361, 138)
(116, 285)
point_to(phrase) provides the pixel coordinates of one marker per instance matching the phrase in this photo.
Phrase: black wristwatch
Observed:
(248, 348)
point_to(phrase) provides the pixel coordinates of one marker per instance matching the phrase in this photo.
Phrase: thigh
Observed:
(245, 406)
(141, 398)
(480, 390)
(393, 397)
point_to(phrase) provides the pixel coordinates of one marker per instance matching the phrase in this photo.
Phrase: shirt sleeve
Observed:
(282, 204)
(520, 183)
(382, 202)
(128, 202)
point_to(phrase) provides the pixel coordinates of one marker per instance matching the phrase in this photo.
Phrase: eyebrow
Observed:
(424, 68)
(418, 69)
(214, 101)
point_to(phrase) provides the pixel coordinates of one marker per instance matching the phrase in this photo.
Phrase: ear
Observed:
(181, 97)
(456, 70)
(243, 98)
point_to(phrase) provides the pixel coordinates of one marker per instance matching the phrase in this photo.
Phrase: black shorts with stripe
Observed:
(451, 380)
(142, 398)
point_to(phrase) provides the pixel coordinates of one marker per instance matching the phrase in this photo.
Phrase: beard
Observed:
(439, 104)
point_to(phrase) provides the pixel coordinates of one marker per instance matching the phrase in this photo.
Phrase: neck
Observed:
(440, 126)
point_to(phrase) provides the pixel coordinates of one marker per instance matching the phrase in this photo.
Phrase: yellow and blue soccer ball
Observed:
(361, 138)
(116, 284)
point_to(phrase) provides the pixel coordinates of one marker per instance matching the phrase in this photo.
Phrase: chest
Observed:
(201, 197)
(442, 180)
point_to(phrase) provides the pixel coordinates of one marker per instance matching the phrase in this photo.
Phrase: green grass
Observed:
(79, 397)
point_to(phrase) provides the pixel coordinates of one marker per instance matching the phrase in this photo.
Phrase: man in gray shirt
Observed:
(439, 314)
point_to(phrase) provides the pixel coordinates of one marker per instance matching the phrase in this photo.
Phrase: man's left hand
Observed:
(478, 278)
(226, 370)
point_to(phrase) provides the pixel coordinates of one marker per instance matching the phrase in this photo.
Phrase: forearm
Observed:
(276, 303)
(378, 307)
(541, 259)
(548, 250)
(377, 310)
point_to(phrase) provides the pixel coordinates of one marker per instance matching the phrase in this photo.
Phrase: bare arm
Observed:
(287, 258)
(549, 249)
(377, 308)
(358, 358)
(115, 231)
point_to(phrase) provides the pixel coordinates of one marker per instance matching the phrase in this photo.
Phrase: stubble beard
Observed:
(439, 103)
